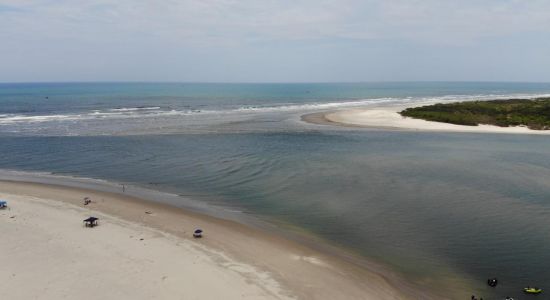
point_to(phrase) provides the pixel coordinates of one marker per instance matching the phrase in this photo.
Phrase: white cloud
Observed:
(251, 40)
(246, 20)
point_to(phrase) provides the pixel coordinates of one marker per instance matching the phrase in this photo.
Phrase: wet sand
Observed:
(144, 250)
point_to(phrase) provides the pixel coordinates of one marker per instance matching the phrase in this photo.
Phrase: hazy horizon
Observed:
(261, 82)
(267, 82)
(227, 41)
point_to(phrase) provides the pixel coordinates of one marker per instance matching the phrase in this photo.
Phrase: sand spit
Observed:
(388, 117)
(144, 250)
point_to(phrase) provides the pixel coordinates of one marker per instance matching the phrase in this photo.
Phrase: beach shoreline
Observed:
(387, 117)
(273, 266)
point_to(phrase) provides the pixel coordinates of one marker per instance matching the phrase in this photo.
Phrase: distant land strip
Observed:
(532, 113)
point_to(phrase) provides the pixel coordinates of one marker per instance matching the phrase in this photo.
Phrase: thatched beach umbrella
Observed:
(90, 222)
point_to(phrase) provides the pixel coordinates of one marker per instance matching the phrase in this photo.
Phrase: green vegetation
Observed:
(533, 113)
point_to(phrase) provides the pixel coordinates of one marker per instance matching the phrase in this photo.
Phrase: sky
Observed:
(274, 40)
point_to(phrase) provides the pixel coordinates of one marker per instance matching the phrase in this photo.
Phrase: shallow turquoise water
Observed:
(157, 108)
(438, 207)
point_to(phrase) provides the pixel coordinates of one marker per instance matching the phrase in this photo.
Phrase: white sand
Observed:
(388, 117)
(46, 253)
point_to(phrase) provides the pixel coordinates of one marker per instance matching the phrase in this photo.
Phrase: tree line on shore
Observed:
(533, 113)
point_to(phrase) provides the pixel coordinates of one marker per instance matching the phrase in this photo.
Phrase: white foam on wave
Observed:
(95, 114)
(36, 119)
(387, 100)
(119, 109)
(313, 106)
(156, 111)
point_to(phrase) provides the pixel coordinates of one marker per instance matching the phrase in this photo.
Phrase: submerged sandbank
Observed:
(144, 250)
(388, 117)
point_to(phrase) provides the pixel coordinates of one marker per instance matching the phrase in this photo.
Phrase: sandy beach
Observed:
(388, 117)
(144, 250)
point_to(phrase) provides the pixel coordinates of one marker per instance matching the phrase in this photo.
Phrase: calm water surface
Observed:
(447, 210)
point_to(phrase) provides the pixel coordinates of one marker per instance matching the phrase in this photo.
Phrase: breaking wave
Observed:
(157, 111)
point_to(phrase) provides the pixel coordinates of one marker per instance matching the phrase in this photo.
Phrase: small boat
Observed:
(197, 233)
(532, 290)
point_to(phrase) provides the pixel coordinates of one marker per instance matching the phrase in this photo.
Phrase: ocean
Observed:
(446, 210)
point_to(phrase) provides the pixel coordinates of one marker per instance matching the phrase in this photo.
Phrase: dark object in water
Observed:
(492, 282)
(91, 222)
(197, 233)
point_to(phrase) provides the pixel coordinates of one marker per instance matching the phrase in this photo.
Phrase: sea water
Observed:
(447, 210)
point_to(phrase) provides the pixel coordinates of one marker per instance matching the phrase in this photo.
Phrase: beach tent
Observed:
(197, 233)
(91, 222)
(3, 204)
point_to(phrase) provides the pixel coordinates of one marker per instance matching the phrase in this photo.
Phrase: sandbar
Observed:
(388, 117)
(144, 250)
